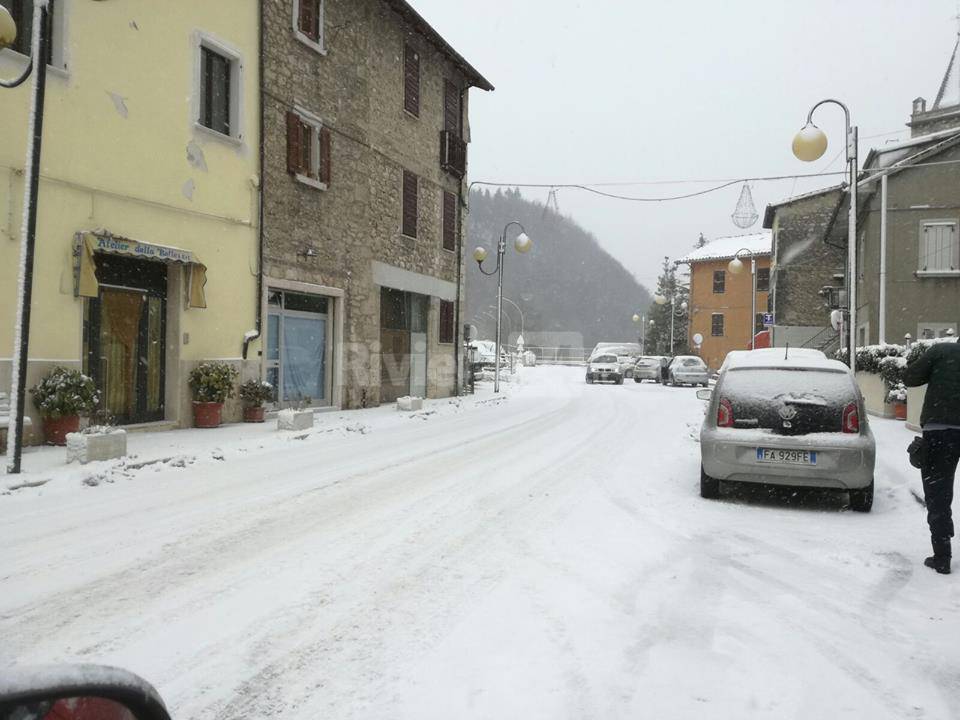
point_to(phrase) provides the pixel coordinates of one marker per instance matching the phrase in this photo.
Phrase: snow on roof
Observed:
(726, 247)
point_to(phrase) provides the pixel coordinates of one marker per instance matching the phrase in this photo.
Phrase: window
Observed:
(452, 116)
(939, 247)
(411, 81)
(218, 88)
(719, 282)
(450, 220)
(308, 22)
(22, 13)
(716, 325)
(447, 325)
(929, 331)
(763, 279)
(409, 221)
(297, 345)
(308, 149)
(758, 325)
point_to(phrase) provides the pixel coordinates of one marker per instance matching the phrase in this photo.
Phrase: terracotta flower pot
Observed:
(253, 414)
(55, 429)
(900, 410)
(207, 414)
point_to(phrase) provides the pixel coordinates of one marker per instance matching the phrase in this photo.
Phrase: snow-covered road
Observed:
(541, 555)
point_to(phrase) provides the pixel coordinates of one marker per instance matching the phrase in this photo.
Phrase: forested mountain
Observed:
(566, 284)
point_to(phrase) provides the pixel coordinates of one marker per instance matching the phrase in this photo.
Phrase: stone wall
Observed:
(356, 89)
(803, 262)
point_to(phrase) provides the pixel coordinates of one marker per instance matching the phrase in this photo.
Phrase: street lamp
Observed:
(662, 300)
(641, 320)
(522, 244)
(735, 267)
(28, 232)
(808, 145)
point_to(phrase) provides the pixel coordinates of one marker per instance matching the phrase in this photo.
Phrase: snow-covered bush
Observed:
(65, 393)
(255, 393)
(213, 381)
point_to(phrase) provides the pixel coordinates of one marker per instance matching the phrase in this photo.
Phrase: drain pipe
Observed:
(458, 329)
(883, 259)
(251, 335)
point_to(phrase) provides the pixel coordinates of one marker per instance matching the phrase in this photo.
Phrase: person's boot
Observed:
(940, 560)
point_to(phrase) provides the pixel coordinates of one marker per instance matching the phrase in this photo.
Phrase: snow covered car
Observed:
(604, 368)
(796, 421)
(649, 367)
(688, 370)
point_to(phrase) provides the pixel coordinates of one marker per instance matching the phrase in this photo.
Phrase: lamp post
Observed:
(662, 300)
(735, 267)
(522, 244)
(28, 232)
(808, 145)
(641, 320)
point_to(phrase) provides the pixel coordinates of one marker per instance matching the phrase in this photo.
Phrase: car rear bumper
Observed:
(692, 378)
(844, 462)
(646, 373)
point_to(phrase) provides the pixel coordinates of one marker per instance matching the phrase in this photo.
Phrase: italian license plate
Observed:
(786, 457)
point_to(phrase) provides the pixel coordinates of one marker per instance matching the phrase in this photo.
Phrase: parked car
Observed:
(604, 368)
(649, 367)
(688, 370)
(795, 421)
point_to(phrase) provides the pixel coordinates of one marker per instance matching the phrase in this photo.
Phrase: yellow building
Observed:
(147, 245)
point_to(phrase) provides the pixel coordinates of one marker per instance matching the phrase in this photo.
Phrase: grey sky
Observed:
(611, 90)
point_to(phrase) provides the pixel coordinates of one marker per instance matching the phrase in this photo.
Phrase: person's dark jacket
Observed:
(939, 369)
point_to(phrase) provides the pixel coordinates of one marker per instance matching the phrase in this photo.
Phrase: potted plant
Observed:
(211, 384)
(254, 393)
(898, 397)
(62, 396)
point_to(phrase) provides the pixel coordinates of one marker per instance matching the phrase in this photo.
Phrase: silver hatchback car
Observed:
(787, 421)
(688, 370)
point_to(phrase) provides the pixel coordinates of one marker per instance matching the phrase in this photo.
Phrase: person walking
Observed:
(939, 369)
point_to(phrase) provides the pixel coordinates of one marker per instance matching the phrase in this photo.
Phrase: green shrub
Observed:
(255, 393)
(64, 393)
(213, 381)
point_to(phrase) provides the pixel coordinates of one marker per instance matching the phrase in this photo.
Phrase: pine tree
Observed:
(658, 335)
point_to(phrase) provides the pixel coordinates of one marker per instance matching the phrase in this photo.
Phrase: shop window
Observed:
(296, 347)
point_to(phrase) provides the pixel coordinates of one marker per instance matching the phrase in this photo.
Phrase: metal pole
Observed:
(883, 259)
(673, 314)
(852, 240)
(501, 254)
(643, 334)
(21, 339)
(753, 299)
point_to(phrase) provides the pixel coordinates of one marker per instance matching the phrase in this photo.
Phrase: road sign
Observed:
(768, 319)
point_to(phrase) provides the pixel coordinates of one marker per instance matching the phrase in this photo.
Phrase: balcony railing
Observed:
(453, 153)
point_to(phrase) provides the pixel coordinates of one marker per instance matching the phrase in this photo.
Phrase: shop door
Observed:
(394, 345)
(419, 308)
(125, 333)
(297, 328)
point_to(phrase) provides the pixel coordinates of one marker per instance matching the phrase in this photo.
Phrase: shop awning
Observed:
(104, 243)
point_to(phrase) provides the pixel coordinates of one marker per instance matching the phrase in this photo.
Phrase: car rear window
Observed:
(788, 401)
(692, 362)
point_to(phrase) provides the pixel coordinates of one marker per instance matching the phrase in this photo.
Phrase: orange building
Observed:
(720, 304)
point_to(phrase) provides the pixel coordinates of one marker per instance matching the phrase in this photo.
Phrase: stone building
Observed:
(364, 178)
(720, 300)
(809, 254)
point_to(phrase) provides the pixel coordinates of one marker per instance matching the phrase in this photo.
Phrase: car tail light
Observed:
(851, 418)
(724, 413)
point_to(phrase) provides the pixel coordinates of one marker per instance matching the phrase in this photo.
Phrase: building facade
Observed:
(146, 251)
(721, 300)
(364, 174)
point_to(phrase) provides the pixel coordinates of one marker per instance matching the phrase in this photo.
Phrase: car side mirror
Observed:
(704, 394)
(78, 692)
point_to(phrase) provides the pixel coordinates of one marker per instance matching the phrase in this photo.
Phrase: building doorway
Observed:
(403, 344)
(125, 338)
(297, 347)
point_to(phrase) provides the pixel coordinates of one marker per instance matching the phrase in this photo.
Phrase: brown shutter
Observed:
(309, 19)
(451, 108)
(411, 80)
(325, 173)
(449, 221)
(446, 322)
(409, 225)
(294, 142)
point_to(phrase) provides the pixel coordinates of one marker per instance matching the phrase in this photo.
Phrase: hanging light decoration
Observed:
(746, 213)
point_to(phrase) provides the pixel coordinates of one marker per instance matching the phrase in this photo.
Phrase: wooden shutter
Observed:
(409, 226)
(309, 20)
(411, 80)
(450, 208)
(451, 108)
(447, 334)
(325, 167)
(294, 142)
